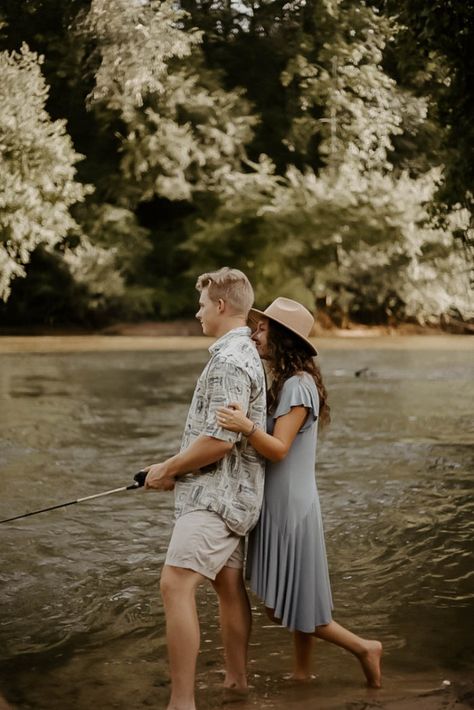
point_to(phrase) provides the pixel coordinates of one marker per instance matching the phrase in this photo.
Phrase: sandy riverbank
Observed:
(459, 696)
(456, 696)
(344, 340)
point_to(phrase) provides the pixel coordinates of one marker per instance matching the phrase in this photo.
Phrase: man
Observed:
(218, 480)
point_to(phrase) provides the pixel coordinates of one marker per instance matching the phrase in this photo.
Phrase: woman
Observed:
(287, 562)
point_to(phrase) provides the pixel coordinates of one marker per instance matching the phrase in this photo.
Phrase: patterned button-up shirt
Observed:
(232, 487)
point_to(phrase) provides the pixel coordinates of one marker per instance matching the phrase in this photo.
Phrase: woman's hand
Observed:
(233, 418)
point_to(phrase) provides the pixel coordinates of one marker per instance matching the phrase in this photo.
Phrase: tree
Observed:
(433, 53)
(293, 139)
(37, 168)
(176, 125)
(176, 128)
(356, 232)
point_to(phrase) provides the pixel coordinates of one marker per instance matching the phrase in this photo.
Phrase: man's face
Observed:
(208, 313)
(260, 337)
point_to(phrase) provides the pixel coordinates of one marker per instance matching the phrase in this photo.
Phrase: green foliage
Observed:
(433, 53)
(37, 173)
(360, 241)
(179, 126)
(307, 143)
(356, 233)
(105, 259)
(345, 97)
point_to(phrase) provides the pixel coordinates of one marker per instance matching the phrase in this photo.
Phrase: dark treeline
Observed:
(323, 146)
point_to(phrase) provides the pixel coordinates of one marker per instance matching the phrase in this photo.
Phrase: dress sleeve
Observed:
(226, 383)
(298, 392)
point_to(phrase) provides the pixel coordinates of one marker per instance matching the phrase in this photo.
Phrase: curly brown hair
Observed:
(289, 355)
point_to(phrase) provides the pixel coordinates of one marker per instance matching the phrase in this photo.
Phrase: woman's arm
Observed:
(272, 446)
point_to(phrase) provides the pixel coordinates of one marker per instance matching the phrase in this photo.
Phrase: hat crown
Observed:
(292, 315)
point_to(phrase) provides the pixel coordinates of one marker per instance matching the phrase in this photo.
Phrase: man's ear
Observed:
(221, 305)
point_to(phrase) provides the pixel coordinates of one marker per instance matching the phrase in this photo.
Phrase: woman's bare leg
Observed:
(303, 645)
(367, 651)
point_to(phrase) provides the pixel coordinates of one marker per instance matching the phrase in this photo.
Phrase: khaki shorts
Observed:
(201, 541)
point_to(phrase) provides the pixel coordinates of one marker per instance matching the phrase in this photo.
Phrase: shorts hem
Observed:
(193, 566)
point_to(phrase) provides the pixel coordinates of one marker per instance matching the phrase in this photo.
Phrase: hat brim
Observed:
(255, 312)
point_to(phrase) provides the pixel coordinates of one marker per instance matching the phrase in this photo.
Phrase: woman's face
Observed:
(260, 338)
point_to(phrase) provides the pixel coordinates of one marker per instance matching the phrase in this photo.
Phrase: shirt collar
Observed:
(224, 339)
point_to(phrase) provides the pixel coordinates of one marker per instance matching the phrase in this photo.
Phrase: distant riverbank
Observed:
(343, 340)
(323, 328)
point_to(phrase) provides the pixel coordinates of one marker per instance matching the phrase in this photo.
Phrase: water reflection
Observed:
(81, 614)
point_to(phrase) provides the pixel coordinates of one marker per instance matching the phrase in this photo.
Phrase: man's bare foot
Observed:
(370, 659)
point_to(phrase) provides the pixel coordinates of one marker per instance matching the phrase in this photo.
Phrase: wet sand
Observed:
(143, 691)
(345, 340)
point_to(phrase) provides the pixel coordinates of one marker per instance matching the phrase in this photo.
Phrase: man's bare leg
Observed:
(236, 623)
(367, 651)
(178, 590)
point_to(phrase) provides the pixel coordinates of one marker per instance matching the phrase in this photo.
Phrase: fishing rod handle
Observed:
(140, 478)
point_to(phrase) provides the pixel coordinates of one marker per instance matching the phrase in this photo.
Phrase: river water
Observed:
(81, 622)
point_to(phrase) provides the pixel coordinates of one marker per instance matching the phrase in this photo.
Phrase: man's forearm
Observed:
(203, 451)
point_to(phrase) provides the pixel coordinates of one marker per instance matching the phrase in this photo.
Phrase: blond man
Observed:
(218, 481)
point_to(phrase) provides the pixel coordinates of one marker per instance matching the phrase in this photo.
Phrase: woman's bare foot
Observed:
(300, 676)
(370, 658)
(237, 683)
(234, 694)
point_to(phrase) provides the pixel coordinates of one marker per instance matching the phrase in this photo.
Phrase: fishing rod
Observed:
(138, 482)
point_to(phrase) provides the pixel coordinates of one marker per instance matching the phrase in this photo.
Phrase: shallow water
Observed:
(81, 621)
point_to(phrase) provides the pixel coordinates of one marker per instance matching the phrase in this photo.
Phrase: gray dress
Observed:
(286, 562)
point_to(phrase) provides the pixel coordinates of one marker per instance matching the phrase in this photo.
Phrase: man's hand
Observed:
(159, 478)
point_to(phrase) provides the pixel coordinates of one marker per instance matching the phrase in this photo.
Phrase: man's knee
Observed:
(229, 583)
(178, 581)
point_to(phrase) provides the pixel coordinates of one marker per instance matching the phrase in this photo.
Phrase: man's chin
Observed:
(209, 331)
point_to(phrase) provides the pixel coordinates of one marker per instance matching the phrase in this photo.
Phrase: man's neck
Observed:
(229, 324)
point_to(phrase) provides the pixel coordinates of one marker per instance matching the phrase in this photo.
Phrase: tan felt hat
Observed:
(292, 315)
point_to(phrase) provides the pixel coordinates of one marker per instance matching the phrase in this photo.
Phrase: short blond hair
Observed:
(231, 285)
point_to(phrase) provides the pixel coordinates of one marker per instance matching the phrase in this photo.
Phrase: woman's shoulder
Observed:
(301, 383)
(298, 390)
(298, 380)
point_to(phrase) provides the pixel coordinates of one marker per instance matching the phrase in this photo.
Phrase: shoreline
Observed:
(458, 694)
(346, 340)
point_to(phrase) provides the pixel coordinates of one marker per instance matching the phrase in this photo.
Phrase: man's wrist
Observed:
(171, 466)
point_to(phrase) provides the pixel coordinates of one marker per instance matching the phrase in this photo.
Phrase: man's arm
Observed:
(225, 381)
(203, 451)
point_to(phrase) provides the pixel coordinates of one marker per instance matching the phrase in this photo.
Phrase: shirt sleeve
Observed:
(226, 383)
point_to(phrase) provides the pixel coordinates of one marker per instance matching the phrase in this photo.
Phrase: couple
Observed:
(218, 478)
